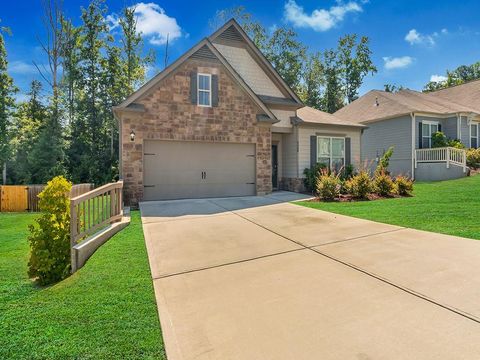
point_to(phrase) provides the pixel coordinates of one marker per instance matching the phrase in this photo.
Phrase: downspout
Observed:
(412, 115)
(459, 127)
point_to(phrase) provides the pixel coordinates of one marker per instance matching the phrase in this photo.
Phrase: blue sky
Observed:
(411, 40)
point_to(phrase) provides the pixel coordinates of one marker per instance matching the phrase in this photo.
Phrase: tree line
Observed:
(66, 126)
(325, 80)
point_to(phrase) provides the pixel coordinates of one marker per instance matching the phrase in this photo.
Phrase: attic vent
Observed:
(204, 53)
(230, 34)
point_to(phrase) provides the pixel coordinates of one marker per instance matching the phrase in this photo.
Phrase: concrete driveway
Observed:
(260, 278)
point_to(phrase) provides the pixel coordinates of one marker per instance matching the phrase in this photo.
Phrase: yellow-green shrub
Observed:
(328, 185)
(473, 158)
(403, 185)
(360, 185)
(383, 184)
(50, 237)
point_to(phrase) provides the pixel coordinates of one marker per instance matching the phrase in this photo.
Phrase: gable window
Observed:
(331, 151)
(474, 136)
(204, 91)
(428, 129)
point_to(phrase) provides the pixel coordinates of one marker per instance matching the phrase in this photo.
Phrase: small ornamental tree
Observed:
(50, 238)
(384, 161)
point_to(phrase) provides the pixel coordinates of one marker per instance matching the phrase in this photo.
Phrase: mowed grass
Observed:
(106, 310)
(449, 207)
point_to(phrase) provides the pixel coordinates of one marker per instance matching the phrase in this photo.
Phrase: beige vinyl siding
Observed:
(284, 117)
(277, 140)
(249, 70)
(289, 153)
(306, 131)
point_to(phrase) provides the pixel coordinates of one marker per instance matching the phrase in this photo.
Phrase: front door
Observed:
(274, 166)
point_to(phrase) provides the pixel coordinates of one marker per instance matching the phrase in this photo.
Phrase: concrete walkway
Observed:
(260, 278)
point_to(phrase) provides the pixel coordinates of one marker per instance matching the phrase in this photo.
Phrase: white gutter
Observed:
(412, 115)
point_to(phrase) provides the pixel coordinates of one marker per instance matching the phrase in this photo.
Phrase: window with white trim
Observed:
(474, 136)
(428, 129)
(204, 90)
(331, 151)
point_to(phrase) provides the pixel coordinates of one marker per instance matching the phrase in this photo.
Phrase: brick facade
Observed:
(170, 115)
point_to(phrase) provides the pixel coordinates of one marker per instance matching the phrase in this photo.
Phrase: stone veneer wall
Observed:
(170, 115)
(292, 184)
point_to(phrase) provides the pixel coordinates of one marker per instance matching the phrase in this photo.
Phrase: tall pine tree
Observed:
(7, 90)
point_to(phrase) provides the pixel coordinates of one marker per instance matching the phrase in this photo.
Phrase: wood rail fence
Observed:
(17, 198)
(94, 210)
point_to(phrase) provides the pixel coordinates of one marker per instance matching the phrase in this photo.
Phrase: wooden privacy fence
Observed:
(94, 210)
(13, 198)
(17, 198)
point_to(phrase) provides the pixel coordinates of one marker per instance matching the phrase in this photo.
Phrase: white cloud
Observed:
(397, 62)
(414, 37)
(438, 78)
(21, 67)
(319, 19)
(152, 22)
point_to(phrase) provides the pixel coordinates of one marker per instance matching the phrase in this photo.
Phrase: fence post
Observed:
(448, 158)
(464, 160)
(73, 226)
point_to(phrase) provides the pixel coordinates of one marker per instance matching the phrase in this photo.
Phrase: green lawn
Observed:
(106, 310)
(449, 207)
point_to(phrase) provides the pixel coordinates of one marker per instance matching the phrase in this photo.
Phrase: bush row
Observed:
(330, 186)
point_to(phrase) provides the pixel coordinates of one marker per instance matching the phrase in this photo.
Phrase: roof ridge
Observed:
(456, 85)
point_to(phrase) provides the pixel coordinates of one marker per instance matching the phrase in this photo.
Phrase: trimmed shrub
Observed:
(403, 185)
(328, 185)
(347, 172)
(312, 175)
(383, 184)
(439, 140)
(360, 185)
(50, 237)
(473, 158)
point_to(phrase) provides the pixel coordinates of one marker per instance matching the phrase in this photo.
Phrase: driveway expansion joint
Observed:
(365, 272)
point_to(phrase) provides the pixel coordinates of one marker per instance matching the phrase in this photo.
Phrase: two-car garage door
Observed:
(183, 169)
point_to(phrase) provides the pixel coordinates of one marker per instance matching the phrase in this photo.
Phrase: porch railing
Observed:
(95, 209)
(448, 155)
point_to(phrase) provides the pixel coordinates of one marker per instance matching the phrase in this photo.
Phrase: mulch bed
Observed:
(350, 198)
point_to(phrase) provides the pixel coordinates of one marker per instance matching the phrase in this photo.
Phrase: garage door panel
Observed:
(173, 170)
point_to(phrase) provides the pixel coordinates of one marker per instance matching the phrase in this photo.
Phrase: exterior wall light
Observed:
(132, 135)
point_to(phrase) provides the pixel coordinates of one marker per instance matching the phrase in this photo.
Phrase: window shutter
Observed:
(348, 151)
(313, 151)
(439, 127)
(214, 90)
(193, 88)
(420, 145)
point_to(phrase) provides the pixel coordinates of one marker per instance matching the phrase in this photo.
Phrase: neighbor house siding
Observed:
(464, 131)
(249, 70)
(306, 131)
(380, 135)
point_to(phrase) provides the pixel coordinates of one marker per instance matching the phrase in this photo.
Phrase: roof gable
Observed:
(233, 33)
(202, 50)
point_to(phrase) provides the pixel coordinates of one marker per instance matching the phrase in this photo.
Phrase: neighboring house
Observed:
(220, 121)
(406, 120)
